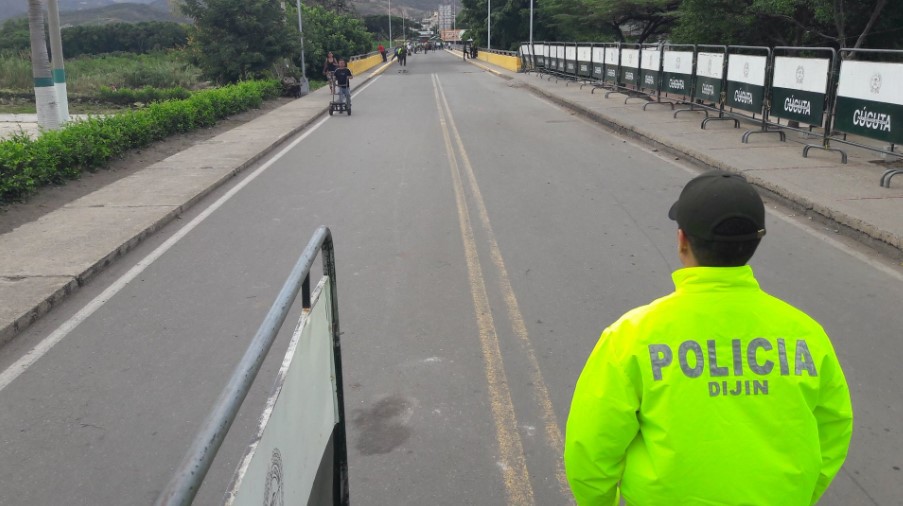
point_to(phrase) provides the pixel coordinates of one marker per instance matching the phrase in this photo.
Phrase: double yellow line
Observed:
(513, 463)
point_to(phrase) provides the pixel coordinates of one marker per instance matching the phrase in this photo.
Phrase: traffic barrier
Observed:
(711, 69)
(678, 67)
(801, 89)
(299, 454)
(528, 62)
(651, 74)
(754, 83)
(869, 98)
(585, 62)
(628, 82)
(506, 59)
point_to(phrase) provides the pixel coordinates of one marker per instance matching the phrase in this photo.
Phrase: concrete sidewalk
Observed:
(44, 261)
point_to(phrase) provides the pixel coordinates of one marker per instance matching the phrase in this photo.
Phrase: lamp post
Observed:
(305, 86)
(531, 26)
(488, 24)
(390, 23)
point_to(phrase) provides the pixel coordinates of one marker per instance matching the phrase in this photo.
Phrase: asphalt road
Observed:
(484, 238)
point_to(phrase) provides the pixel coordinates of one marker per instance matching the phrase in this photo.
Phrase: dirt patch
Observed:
(50, 198)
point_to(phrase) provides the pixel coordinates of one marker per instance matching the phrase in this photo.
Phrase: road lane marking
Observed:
(552, 431)
(513, 462)
(42, 348)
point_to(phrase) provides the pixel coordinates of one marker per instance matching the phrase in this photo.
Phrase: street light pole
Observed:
(531, 26)
(390, 23)
(488, 24)
(305, 86)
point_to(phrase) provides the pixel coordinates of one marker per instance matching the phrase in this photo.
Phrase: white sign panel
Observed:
(630, 57)
(806, 74)
(525, 49)
(559, 51)
(679, 62)
(598, 54)
(584, 53)
(747, 69)
(652, 59)
(282, 461)
(876, 82)
(570, 52)
(710, 65)
(611, 55)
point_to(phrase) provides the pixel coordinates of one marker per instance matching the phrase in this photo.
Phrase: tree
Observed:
(238, 39)
(622, 20)
(326, 31)
(379, 26)
(45, 95)
(837, 23)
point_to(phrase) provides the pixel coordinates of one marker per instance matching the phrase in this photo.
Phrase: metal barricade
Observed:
(801, 91)
(678, 75)
(651, 74)
(185, 484)
(869, 96)
(711, 71)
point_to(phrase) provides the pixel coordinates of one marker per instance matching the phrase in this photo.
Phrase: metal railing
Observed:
(186, 482)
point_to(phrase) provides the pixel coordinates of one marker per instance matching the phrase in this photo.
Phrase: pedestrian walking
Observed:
(717, 394)
(382, 51)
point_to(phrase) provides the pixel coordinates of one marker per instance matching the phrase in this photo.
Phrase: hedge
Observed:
(58, 155)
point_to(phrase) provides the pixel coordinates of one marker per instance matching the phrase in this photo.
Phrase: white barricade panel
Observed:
(650, 64)
(630, 60)
(678, 72)
(709, 72)
(298, 421)
(611, 64)
(870, 100)
(584, 58)
(598, 62)
(570, 56)
(746, 81)
(798, 89)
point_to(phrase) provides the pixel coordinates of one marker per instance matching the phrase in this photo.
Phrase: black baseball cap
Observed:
(713, 197)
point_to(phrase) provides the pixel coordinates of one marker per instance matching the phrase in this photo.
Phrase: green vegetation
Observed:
(80, 40)
(326, 31)
(834, 23)
(59, 155)
(238, 39)
(88, 75)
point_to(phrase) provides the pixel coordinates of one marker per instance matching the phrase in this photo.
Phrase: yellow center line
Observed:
(512, 460)
(552, 431)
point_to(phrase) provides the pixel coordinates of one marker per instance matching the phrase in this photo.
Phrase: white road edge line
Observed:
(20, 366)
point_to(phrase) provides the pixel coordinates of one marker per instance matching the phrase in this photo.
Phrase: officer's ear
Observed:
(684, 251)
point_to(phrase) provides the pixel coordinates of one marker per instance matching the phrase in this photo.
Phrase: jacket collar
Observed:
(707, 279)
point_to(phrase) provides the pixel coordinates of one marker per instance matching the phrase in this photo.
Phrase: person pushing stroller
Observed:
(343, 78)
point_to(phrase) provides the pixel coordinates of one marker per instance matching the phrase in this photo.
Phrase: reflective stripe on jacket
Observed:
(717, 394)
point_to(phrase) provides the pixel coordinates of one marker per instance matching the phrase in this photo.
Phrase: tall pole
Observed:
(56, 60)
(305, 86)
(488, 24)
(390, 23)
(531, 25)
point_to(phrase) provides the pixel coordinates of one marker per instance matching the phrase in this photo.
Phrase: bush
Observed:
(146, 95)
(59, 155)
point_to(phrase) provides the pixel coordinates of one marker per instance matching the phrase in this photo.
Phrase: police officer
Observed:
(717, 394)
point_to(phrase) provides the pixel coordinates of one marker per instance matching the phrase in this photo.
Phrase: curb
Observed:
(10, 330)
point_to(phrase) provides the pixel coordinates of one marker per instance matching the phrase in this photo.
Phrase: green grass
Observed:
(85, 75)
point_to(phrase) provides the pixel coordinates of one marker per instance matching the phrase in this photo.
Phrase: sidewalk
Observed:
(44, 261)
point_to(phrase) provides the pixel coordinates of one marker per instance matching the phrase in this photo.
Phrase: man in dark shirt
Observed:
(342, 80)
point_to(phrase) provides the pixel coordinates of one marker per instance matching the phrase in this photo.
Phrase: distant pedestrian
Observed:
(402, 55)
(382, 51)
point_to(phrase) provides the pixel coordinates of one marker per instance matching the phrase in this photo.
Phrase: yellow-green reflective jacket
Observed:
(717, 394)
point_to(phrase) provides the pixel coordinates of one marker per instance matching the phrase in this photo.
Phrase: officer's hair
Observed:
(724, 253)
